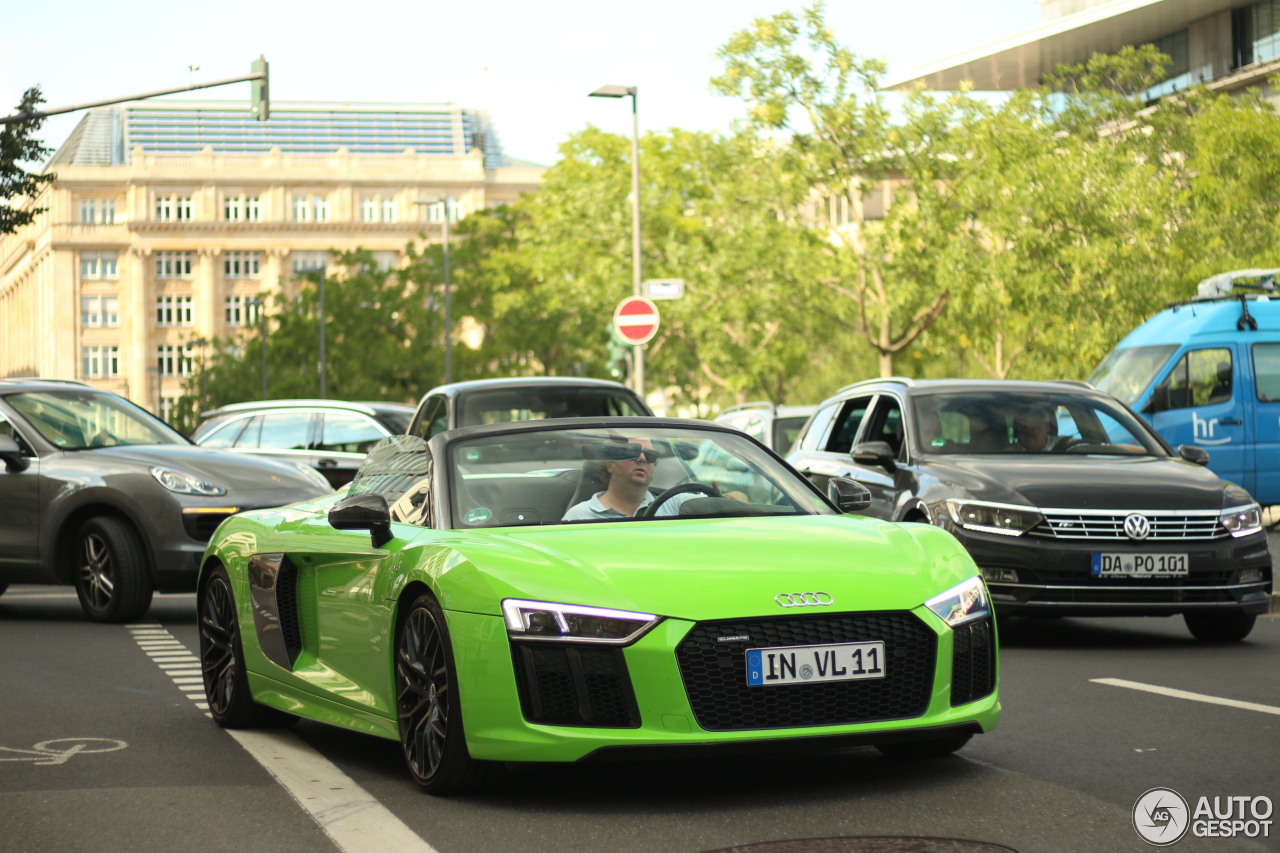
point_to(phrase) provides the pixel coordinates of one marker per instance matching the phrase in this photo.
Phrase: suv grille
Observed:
(1166, 525)
(715, 674)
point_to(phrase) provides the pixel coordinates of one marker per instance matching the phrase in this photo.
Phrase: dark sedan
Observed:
(1069, 503)
(99, 493)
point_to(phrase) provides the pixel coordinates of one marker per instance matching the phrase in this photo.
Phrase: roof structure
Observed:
(108, 135)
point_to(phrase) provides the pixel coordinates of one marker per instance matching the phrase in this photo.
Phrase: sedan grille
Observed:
(715, 673)
(1166, 525)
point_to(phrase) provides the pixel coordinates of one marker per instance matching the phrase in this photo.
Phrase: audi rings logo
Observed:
(804, 599)
(1137, 527)
(1161, 816)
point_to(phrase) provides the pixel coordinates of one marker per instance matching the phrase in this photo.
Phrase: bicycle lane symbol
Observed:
(57, 751)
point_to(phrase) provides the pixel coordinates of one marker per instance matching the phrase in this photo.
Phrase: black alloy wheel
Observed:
(431, 733)
(226, 687)
(112, 581)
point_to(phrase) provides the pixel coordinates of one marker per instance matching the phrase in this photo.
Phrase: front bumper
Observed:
(666, 721)
(1054, 576)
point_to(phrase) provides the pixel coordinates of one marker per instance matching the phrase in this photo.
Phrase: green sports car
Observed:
(568, 590)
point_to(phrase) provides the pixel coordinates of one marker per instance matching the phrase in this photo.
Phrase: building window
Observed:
(168, 406)
(377, 209)
(97, 211)
(242, 208)
(385, 260)
(1178, 75)
(100, 311)
(241, 264)
(435, 212)
(98, 265)
(1256, 32)
(310, 208)
(175, 311)
(242, 310)
(99, 362)
(304, 262)
(173, 208)
(173, 264)
(173, 360)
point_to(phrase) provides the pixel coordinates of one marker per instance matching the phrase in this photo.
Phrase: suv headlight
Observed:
(1006, 519)
(314, 476)
(962, 603)
(186, 484)
(575, 623)
(1242, 520)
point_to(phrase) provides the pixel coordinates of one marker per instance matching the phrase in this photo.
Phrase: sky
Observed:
(530, 65)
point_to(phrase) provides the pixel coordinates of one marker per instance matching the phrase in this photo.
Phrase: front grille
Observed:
(973, 662)
(1166, 525)
(566, 685)
(715, 674)
(1165, 593)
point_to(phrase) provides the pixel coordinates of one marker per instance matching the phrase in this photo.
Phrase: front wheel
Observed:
(226, 685)
(431, 733)
(112, 581)
(1229, 627)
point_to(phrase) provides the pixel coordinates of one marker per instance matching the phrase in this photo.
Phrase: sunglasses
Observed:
(649, 456)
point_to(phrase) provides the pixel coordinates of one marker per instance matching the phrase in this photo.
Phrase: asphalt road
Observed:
(104, 747)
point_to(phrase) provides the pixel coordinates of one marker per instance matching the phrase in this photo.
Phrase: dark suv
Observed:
(99, 493)
(1068, 501)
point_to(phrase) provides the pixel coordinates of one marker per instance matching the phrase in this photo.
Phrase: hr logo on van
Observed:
(1204, 428)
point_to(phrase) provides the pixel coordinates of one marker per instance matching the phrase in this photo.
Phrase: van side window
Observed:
(1266, 369)
(1202, 377)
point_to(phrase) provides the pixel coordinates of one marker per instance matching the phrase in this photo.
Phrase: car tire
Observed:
(226, 682)
(1230, 627)
(932, 748)
(3, 587)
(432, 738)
(111, 577)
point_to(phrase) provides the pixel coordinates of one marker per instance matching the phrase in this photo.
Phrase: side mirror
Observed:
(14, 461)
(875, 453)
(367, 511)
(1159, 401)
(1194, 454)
(848, 494)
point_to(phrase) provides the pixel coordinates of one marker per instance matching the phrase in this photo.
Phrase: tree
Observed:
(17, 147)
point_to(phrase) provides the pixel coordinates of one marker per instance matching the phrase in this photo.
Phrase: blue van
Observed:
(1207, 372)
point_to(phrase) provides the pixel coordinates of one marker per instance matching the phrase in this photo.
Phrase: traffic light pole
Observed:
(259, 74)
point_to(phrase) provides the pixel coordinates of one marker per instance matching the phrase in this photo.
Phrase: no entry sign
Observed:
(636, 320)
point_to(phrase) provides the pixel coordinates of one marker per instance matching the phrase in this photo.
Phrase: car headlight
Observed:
(314, 476)
(1006, 519)
(962, 603)
(1242, 520)
(186, 484)
(575, 623)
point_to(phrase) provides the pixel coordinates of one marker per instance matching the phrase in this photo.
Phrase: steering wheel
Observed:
(683, 488)
(1065, 444)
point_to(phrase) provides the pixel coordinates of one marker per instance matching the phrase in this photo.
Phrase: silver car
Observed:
(99, 493)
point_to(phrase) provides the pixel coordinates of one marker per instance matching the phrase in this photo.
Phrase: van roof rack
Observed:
(1226, 284)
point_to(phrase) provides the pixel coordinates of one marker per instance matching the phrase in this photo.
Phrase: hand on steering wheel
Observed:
(684, 488)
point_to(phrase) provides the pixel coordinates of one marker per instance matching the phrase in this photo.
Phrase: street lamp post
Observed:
(448, 327)
(637, 352)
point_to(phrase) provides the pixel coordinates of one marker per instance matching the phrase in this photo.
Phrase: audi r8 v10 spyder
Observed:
(484, 596)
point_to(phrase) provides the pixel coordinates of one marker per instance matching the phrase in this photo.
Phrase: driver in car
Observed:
(628, 490)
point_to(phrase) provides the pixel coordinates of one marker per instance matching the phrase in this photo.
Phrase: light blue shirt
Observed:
(593, 510)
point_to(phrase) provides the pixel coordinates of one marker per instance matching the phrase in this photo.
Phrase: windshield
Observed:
(981, 422)
(533, 403)
(583, 475)
(79, 419)
(1126, 373)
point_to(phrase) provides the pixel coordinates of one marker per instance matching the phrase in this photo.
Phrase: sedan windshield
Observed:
(79, 419)
(981, 421)
(573, 475)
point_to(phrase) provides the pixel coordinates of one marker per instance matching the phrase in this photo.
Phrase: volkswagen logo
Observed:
(1137, 527)
(803, 599)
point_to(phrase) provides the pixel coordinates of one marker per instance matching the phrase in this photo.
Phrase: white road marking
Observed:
(1186, 694)
(349, 815)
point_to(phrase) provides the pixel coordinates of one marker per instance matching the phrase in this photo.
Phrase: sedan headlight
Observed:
(962, 603)
(1005, 519)
(186, 484)
(543, 620)
(1242, 520)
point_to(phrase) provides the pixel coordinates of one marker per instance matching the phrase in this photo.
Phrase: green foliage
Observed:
(18, 147)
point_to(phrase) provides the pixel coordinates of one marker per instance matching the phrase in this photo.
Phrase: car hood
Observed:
(705, 569)
(238, 473)
(1085, 482)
